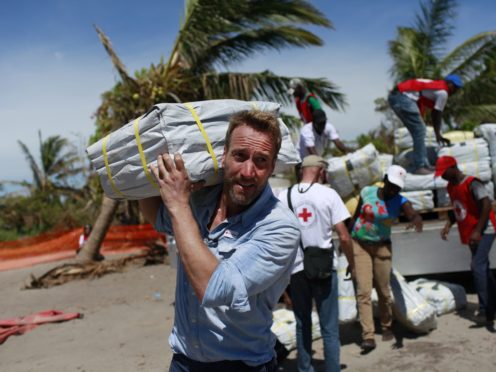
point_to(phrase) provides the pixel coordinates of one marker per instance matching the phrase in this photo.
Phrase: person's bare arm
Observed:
(341, 146)
(346, 246)
(475, 236)
(436, 117)
(413, 217)
(311, 150)
(175, 189)
(352, 220)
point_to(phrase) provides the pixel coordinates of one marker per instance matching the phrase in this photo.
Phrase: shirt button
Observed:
(193, 320)
(196, 346)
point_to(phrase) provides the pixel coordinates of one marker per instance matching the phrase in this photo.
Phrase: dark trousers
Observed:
(181, 363)
(484, 281)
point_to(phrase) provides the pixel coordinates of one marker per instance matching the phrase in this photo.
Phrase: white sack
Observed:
(346, 293)
(403, 140)
(420, 200)
(410, 308)
(385, 161)
(475, 150)
(415, 182)
(444, 297)
(353, 171)
(488, 132)
(172, 127)
(284, 327)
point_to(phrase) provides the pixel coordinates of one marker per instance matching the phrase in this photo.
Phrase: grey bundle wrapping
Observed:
(353, 171)
(196, 130)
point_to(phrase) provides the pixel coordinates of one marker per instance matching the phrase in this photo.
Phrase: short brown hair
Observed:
(261, 121)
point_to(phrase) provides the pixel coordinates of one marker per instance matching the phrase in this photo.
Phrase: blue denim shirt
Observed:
(256, 250)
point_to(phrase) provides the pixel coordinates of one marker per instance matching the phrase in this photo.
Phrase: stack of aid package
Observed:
(196, 130)
(426, 192)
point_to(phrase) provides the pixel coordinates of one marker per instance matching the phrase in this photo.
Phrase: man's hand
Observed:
(474, 239)
(416, 224)
(443, 141)
(350, 270)
(445, 231)
(173, 181)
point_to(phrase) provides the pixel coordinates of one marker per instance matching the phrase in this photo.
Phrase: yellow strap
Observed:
(254, 105)
(142, 154)
(205, 136)
(107, 167)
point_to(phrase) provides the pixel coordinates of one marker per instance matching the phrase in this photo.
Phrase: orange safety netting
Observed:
(117, 238)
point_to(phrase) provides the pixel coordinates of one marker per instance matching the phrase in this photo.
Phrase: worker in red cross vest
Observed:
(306, 102)
(410, 99)
(472, 211)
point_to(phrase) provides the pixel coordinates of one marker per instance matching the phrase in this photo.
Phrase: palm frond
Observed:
(119, 66)
(469, 58)
(266, 86)
(38, 175)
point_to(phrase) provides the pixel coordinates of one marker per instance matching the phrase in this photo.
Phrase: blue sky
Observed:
(53, 67)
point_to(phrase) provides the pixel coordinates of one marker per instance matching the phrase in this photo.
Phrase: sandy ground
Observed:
(128, 316)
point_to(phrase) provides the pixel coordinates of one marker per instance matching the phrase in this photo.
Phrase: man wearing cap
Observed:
(377, 209)
(409, 100)
(320, 210)
(315, 136)
(472, 211)
(306, 102)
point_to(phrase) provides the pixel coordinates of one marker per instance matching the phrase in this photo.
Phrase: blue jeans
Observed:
(181, 363)
(484, 281)
(325, 293)
(408, 112)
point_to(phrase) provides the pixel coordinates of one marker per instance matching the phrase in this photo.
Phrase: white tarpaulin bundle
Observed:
(488, 132)
(346, 293)
(421, 200)
(403, 139)
(355, 170)
(444, 297)
(475, 150)
(385, 161)
(196, 130)
(284, 327)
(410, 308)
(415, 182)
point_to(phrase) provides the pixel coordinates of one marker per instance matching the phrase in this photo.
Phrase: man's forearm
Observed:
(198, 262)
(436, 117)
(484, 215)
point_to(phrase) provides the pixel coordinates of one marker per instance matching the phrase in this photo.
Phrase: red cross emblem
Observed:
(305, 215)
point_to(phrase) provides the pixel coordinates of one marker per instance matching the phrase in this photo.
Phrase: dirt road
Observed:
(128, 316)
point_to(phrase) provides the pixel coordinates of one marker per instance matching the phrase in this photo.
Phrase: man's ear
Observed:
(223, 157)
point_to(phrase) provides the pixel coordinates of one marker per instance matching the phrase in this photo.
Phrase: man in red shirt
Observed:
(472, 207)
(306, 102)
(409, 100)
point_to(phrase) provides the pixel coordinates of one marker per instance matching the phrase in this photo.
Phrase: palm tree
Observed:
(420, 51)
(58, 163)
(214, 34)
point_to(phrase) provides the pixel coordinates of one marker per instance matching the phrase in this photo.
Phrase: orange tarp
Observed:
(117, 238)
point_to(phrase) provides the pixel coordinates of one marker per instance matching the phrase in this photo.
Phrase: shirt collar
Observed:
(261, 203)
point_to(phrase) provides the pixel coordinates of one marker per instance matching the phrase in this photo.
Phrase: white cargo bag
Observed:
(403, 139)
(475, 150)
(421, 200)
(415, 182)
(410, 308)
(346, 293)
(284, 327)
(444, 297)
(353, 171)
(196, 130)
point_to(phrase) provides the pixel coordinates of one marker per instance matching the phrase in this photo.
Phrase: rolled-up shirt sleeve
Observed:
(257, 264)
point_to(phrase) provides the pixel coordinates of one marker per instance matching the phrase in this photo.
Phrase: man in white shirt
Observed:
(315, 136)
(320, 210)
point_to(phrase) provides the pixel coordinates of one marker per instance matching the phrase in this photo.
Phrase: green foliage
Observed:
(420, 52)
(217, 34)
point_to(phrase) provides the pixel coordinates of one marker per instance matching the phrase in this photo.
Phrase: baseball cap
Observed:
(314, 161)
(455, 79)
(443, 163)
(396, 175)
